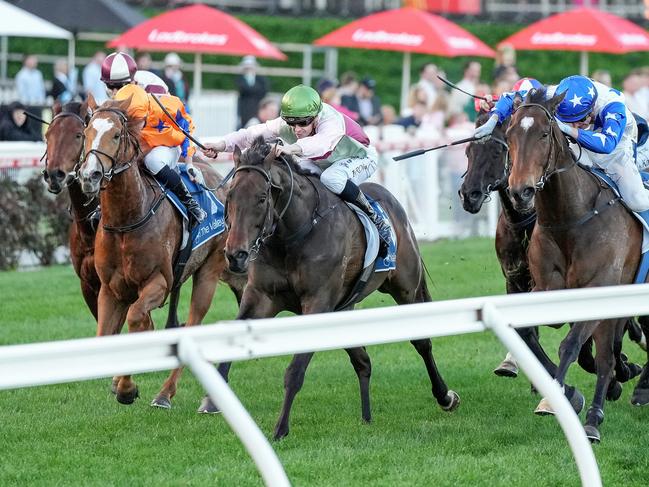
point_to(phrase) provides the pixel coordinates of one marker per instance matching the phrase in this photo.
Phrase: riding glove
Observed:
(567, 129)
(487, 128)
(195, 174)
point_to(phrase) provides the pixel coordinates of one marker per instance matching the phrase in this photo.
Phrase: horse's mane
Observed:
(260, 149)
(536, 96)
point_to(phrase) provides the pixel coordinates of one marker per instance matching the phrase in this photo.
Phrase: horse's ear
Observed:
(124, 104)
(268, 160)
(555, 101)
(236, 155)
(518, 100)
(56, 108)
(91, 103)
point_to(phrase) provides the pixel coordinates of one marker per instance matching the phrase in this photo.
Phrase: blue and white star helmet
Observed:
(524, 85)
(579, 100)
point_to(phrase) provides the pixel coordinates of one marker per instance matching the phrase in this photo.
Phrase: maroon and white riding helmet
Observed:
(117, 68)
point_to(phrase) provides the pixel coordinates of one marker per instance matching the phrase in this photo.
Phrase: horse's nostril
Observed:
(241, 255)
(528, 193)
(95, 176)
(58, 174)
(46, 175)
(475, 195)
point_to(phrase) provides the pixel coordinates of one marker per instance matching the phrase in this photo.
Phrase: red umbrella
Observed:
(584, 30)
(407, 30)
(198, 29)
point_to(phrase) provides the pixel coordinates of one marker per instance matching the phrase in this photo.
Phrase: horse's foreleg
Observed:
(293, 381)
(254, 304)
(111, 314)
(203, 287)
(151, 295)
(568, 352)
(604, 337)
(447, 399)
(91, 297)
(363, 367)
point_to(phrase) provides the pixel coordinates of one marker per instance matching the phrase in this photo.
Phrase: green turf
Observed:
(76, 434)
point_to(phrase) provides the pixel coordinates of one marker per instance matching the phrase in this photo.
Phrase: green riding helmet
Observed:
(299, 103)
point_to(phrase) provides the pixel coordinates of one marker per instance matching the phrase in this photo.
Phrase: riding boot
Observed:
(171, 180)
(353, 194)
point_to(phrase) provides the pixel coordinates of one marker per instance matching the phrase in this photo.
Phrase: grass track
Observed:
(76, 434)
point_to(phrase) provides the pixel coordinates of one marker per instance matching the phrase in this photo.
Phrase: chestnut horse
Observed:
(583, 237)
(139, 237)
(303, 248)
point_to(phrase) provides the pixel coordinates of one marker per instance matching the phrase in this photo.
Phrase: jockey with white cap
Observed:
(167, 142)
(597, 117)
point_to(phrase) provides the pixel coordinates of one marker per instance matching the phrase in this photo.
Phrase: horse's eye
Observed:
(545, 134)
(116, 136)
(78, 136)
(262, 198)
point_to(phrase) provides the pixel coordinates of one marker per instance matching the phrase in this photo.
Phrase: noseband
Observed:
(270, 223)
(116, 167)
(552, 158)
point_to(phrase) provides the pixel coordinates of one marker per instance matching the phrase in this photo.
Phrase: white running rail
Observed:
(91, 358)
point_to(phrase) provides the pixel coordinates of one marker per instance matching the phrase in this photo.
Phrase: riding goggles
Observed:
(298, 121)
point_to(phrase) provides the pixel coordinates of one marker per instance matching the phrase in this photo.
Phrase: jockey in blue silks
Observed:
(597, 117)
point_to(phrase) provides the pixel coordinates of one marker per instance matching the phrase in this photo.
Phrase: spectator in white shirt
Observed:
(469, 82)
(29, 82)
(427, 78)
(92, 78)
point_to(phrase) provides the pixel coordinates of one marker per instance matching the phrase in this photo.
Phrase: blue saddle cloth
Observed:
(214, 224)
(389, 262)
(643, 217)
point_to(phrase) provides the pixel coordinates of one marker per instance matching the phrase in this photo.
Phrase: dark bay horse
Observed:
(64, 138)
(583, 238)
(303, 249)
(138, 238)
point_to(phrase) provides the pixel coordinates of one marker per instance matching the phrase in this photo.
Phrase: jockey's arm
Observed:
(613, 118)
(245, 137)
(328, 133)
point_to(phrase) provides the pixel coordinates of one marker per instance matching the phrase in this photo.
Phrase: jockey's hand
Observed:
(487, 128)
(291, 150)
(567, 129)
(212, 150)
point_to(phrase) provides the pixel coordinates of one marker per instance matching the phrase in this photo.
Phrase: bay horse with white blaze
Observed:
(303, 249)
(139, 237)
(583, 238)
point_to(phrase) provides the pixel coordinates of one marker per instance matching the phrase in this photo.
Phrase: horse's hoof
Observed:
(129, 397)
(453, 402)
(161, 402)
(208, 407)
(640, 397)
(113, 385)
(280, 433)
(577, 400)
(614, 391)
(592, 433)
(544, 408)
(506, 369)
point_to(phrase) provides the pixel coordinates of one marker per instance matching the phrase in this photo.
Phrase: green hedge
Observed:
(385, 67)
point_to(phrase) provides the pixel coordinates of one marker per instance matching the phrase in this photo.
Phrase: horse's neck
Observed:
(301, 207)
(124, 198)
(567, 195)
(80, 205)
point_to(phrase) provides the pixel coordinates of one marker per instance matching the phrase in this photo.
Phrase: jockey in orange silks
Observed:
(167, 142)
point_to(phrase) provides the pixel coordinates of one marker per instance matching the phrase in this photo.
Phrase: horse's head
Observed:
(486, 167)
(534, 139)
(250, 204)
(110, 144)
(64, 138)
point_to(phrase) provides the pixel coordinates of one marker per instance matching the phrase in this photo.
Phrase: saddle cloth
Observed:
(389, 262)
(213, 225)
(643, 217)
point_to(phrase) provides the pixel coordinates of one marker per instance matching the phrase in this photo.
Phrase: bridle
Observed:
(73, 175)
(270, 222)
(116, 167)
(552, 157)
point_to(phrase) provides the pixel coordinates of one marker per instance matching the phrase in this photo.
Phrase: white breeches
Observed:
(160, 157)
(621, 167)
(356, 169)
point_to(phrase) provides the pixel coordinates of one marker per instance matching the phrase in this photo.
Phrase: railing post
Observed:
(235, 414)
(544, 383)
